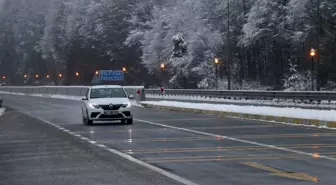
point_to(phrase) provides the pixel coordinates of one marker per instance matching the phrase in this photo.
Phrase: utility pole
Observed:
(228, 46)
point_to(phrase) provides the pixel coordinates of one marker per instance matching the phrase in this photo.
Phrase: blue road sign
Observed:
(111, 75)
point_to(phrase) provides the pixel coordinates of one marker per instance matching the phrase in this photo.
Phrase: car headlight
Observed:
(94, 105)
(127, 104)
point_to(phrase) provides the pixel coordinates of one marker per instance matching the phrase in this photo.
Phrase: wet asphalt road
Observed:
(197, 153)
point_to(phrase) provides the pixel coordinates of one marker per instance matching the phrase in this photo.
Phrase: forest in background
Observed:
(259, 43)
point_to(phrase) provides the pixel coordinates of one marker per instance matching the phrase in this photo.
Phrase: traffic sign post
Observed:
(111, 75)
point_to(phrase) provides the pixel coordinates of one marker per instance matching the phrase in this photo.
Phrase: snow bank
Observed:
(288, 103)
(324, 115)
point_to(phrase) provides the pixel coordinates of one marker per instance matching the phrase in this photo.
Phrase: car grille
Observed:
(110, 116)
(107, 107)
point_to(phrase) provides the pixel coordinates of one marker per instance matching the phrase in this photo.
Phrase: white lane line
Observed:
(123, 155)
(239, 140)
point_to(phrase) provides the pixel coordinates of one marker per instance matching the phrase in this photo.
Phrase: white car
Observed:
(107, 103)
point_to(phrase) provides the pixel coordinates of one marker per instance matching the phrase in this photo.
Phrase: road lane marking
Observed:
(299, 135)
(164, 129)
(224, 158)
(219, 158)
(238, 140)
(217, 149)
(228, 157)
(123, 155)
(148, 140)
(185, 119)
(282, 173)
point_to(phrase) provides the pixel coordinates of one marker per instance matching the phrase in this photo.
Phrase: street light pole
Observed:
(216, 71)
(77, 81)
(124, 69)
(312, 54)
(312, 73)
(60, 78)
(162, 66)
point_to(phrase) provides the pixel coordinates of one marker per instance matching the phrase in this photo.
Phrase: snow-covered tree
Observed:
(297, 81)
(255, 40)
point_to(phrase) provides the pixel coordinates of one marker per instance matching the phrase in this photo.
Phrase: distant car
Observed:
(107, 103)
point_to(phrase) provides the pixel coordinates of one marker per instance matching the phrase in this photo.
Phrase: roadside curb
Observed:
(297, 121)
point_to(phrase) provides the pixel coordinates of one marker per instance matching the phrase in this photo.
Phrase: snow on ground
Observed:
(324, 115)
(2, 111)
(289, 103)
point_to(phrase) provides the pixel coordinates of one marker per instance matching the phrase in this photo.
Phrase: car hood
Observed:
(106, 101)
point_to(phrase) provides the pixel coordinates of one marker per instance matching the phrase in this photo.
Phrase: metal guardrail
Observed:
(66, 90)
(248, 95)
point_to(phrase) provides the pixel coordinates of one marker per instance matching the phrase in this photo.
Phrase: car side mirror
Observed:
(131, 96)
(84, 98)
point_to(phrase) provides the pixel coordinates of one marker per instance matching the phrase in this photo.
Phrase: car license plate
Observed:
(111, 113)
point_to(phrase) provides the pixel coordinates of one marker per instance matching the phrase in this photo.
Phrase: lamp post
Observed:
(25, 78)
(312, 55)
(77, 78)
(124, 69)
(162, 66)
(36, 79)
(216, 71)
(59, 78)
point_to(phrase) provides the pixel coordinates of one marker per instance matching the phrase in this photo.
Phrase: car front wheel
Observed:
(87, 121)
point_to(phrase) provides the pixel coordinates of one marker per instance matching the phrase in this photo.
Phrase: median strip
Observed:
(319, 118)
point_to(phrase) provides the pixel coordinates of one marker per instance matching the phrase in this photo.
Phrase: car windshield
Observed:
(107, 93)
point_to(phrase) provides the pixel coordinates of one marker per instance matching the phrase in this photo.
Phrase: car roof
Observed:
(105, 86)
